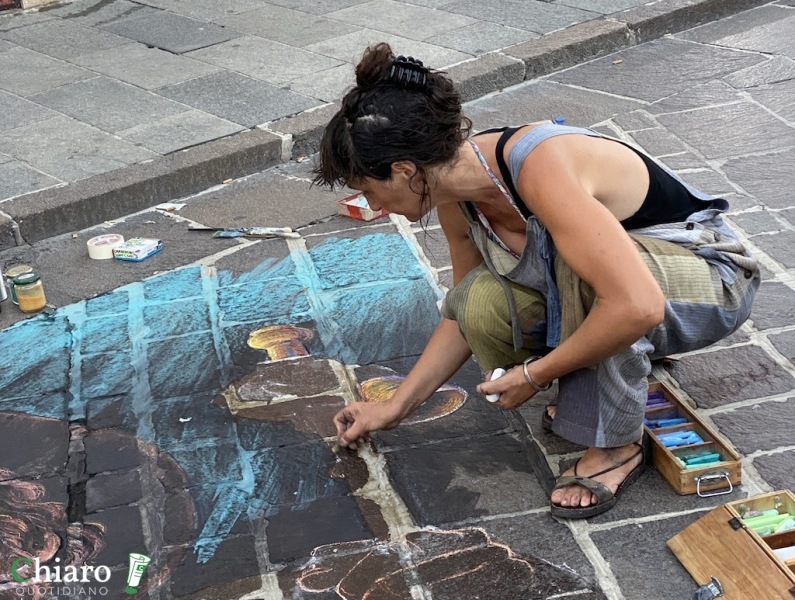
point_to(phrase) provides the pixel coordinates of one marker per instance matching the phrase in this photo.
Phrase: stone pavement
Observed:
(112, 106)
(180, 407)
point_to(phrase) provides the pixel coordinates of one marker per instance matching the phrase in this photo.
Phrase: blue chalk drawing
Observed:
(170, 338)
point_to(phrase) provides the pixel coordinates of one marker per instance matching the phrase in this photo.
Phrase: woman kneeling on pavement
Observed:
(575, 257)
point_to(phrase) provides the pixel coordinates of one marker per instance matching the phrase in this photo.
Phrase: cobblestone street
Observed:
(181, 407)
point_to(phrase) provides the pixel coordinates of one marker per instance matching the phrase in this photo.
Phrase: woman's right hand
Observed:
(357, 420)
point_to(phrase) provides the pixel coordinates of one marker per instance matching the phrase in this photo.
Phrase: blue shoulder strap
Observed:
(527, 143)
(529, 140)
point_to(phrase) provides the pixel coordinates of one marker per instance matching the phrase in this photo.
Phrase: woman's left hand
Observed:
(512, 388)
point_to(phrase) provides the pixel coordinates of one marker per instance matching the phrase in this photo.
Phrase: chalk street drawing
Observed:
(447, 399)
(150, 359)
(36, 523)
(458, 563)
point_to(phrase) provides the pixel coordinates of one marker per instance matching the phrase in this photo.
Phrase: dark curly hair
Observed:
(383, 121)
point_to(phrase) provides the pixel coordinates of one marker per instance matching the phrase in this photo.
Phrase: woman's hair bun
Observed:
(374, 66)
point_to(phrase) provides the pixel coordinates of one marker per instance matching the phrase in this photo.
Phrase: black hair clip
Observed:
(409, 72)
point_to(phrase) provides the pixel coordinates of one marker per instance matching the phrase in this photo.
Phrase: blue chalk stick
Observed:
(701, 466)
(669, 422)
(706, 458)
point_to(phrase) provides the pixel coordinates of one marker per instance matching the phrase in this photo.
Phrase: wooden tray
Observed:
(720, 545)
(707, 481)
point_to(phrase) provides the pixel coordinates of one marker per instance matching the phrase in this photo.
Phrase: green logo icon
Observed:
(138, 564)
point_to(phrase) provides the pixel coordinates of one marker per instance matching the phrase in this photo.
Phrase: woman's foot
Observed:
(594, 461)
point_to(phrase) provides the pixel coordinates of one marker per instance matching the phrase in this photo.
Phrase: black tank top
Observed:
(667, 200)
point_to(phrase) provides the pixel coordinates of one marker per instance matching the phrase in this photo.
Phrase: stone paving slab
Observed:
(643, 566)
(775, 70)
(545, 100)
(263, 59)
(75, 150)
(466, 478)
(62, 39)
(18, 111)
(533, 16)
(751, 129)
(349, 47)
(132, 63)
(40, 215)
(108, 104)
(18, 178)
(479, 38)
(286, 26)
(26, 72)
(237, 98)
(399, 18)
(777, 469)
(179, 131)
(170, 32)
(679, 66)
(89, 13)
(536, 535)
(327, 85)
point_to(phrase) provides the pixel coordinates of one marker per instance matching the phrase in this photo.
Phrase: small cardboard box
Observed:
(711, 480)
(137, 249)
(356, 206)
(721, 545)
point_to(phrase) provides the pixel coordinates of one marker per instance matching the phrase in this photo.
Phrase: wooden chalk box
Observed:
(690, 455)
(723, 544)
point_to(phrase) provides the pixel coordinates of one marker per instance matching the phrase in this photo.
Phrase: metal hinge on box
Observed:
(735, 523)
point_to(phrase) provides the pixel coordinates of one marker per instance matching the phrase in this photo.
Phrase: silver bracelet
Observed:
(529, 379)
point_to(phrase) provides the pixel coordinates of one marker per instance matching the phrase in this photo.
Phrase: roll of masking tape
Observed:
(101, 247)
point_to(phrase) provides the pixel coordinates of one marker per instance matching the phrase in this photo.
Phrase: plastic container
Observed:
(29, 292)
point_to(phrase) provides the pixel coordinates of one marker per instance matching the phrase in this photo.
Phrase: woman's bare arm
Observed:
(590, 239)
(464, 255)
(445, 353)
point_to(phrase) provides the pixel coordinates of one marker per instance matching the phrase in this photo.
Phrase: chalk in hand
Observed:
(496, 374)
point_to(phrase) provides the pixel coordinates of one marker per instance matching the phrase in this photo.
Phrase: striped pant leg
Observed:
(479, 306)
(604, 406)
(601, 406)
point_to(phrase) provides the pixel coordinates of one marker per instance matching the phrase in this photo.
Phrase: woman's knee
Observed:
(478, 303)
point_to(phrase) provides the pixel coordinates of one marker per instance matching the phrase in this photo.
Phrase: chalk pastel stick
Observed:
(495, 375)
(787, 524)
(706, 458)
(670, 439)
(679, 442)
(686, 456)
(705, 465)
(669, 422)
(759, 513)
(678, 435)
(768, 520)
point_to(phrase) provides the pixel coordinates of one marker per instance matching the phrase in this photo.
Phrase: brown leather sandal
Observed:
(606, 497)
